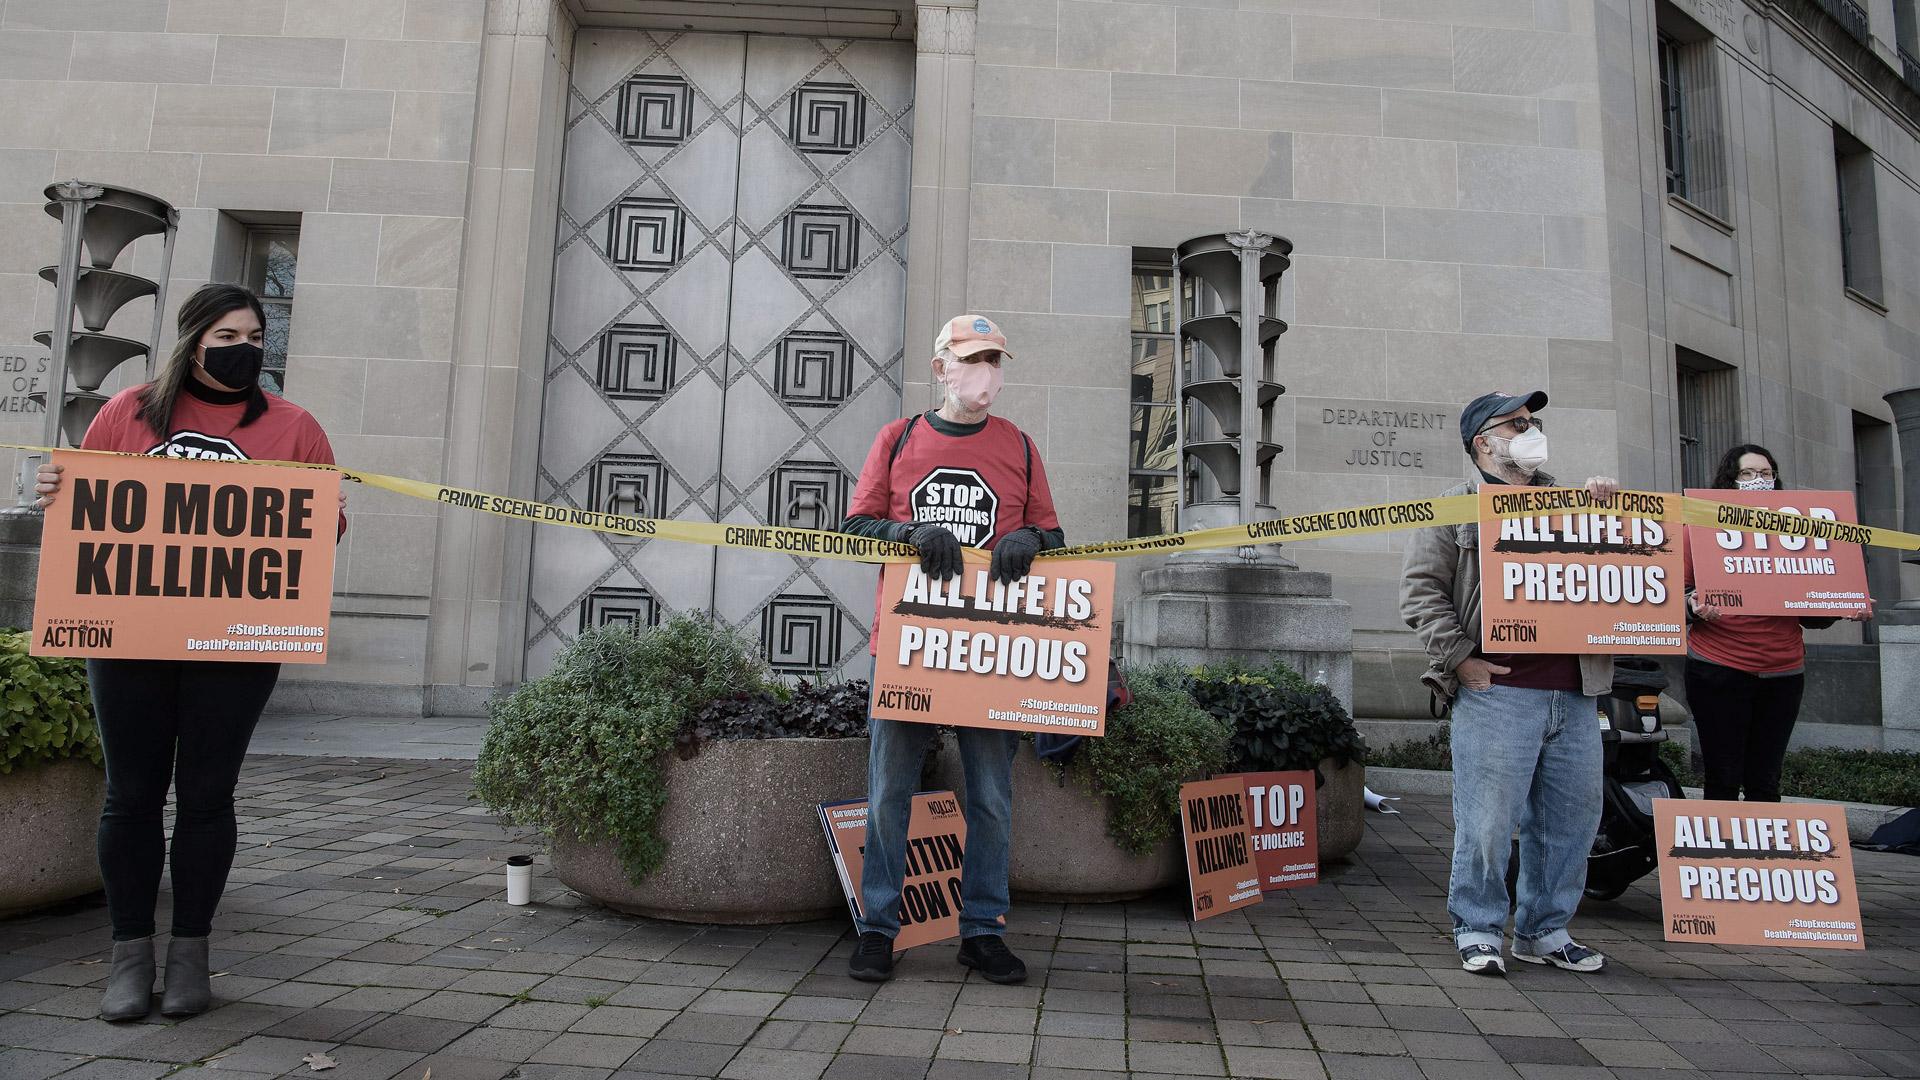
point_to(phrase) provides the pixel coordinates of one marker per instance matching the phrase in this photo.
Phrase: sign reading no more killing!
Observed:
(1219, 841)
(159, 559)
(1756, 573)
(1027, 655)
(1566, 580)
(1741, 873)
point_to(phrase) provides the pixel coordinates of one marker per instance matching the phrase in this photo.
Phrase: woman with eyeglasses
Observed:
(1745, 673)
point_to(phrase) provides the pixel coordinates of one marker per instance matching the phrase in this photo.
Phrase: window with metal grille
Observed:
(1859, 215)
(272, 253)
(1709, 407)
(1153, 446)
(1690, 124)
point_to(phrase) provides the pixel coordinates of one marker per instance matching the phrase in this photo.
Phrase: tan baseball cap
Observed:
(969, 334)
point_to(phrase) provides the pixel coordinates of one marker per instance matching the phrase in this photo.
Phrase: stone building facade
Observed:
(682, 257)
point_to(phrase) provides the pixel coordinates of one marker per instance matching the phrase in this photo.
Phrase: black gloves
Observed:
(1013, 555)
(940, 556)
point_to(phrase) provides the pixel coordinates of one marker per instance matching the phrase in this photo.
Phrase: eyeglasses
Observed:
(1520, 424)
(1756, 474)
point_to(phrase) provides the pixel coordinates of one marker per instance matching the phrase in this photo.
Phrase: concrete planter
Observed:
(1060, 850)
(49, 814)
(743, 836)
(1341, 806)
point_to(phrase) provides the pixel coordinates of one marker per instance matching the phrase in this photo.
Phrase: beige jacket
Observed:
(1440, 599)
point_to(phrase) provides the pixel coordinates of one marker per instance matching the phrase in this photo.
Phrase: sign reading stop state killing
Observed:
(1756, 573)
(936, 849)
(158, 559)
(1563, 579)
(1741, 873)
(1286, 836)
(1219, 839)
(1025, 655)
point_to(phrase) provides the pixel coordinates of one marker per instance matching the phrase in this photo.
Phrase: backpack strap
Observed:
(900, 443)
(1026, 443)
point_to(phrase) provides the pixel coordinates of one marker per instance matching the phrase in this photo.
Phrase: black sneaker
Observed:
(990, 956)
(872, 959)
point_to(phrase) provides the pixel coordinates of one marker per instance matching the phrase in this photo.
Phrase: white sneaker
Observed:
(1482, 960)
(1569, 957)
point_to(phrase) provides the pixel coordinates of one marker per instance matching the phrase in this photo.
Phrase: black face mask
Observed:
(237, 366)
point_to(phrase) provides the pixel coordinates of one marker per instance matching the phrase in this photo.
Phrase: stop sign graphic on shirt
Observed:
(959, 499)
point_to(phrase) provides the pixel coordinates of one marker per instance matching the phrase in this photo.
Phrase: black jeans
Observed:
(1743, 722)
(185, 723)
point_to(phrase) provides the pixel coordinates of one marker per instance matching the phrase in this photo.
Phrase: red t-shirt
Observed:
(981, 485)
(1756, 644)
(203, 429)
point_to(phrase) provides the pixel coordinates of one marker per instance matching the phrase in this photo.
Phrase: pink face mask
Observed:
(973, 385)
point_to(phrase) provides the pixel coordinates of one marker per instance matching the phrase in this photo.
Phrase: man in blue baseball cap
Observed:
(1526, 747)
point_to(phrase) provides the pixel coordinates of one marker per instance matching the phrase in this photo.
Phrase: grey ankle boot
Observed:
(129, 993)
(188, 992)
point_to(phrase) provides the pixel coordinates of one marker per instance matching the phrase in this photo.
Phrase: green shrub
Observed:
(810, 710)
(1280, 721)
(581, 752)
(46, 711)
(1154, 744)
(1887, 777)
(1433, 751)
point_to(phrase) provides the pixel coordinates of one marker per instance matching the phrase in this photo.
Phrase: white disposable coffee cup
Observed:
(519, 880)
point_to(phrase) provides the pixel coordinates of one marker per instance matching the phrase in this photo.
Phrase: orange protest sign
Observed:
(1219, 842)
(1756, 573)
(1027, 655)
(164, 559)
(1563, 579)
(936, 848)
(1286, 836)
(1741, 873)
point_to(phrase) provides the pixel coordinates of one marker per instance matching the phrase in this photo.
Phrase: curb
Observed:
(1862, 818)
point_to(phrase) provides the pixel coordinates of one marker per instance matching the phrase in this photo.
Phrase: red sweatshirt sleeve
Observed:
(1040, 512)
(873, 494)
(315, 449)
(114, 423)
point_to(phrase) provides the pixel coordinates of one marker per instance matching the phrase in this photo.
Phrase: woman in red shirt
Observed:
(176, 722)
(1745, 673)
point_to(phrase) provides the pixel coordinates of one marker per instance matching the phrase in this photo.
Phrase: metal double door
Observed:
(729, 285)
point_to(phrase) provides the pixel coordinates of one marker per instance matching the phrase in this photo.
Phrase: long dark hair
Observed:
(208, 305)
(1728, 474)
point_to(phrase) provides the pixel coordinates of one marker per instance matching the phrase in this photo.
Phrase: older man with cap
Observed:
(1526, 744)
(950, 478)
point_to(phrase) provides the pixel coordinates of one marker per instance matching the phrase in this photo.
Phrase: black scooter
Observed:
(1634, 776)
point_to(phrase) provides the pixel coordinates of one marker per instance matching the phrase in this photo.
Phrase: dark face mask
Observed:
(237, 366)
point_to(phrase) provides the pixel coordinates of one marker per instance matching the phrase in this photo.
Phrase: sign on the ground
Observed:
(1563, 579)
(1219, 840)
(1027, 655)
(1286, 840)
(1741, 873)
(1755, 573)
(164, 559)
(936, 847)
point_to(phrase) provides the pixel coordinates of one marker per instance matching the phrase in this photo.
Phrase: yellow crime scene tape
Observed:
(1314, 525)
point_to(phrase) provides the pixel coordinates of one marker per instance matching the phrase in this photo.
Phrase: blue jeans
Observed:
(1529, 759)
(893, 775)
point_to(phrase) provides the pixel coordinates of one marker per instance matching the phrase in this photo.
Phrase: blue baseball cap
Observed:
(1487, 406)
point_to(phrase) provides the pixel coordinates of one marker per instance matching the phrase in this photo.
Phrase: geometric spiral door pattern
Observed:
(729, 285)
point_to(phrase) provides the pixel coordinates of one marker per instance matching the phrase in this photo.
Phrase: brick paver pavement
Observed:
(366, 922)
